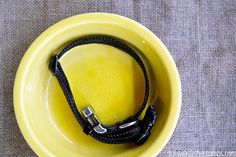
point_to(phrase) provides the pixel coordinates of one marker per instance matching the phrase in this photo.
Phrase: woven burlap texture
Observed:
(200, 35)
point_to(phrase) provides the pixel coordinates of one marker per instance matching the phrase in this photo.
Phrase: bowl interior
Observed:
(101, 76)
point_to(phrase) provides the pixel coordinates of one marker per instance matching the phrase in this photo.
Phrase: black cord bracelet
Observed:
(130, 130)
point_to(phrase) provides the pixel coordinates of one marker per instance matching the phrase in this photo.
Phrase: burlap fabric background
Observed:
(200, 35)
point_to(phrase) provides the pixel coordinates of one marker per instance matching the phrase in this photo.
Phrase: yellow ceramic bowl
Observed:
(102, 76)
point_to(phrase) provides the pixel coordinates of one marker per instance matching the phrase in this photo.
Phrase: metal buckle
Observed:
(93, 120)
(126, 125)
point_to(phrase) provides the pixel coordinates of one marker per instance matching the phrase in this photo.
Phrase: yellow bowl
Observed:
(101, 76)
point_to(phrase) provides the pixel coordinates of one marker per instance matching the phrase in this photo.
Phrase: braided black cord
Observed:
(114, 135)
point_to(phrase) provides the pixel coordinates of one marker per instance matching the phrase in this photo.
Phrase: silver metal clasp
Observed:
(126, 125)
(89, 114)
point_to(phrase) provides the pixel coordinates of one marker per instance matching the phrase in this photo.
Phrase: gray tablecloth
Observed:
(200, 35)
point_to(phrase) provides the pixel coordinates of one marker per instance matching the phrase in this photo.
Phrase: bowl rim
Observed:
(17, 90)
